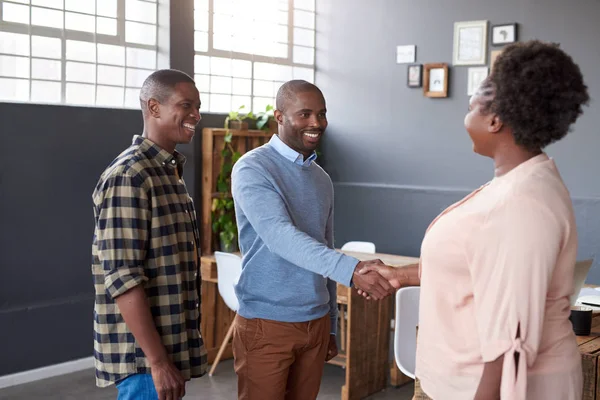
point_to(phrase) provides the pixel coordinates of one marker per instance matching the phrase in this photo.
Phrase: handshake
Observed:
(376, 280)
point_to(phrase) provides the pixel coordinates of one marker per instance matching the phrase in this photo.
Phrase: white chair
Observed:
(581, 270)
(361, 247)
(405, 334)
(229, 269)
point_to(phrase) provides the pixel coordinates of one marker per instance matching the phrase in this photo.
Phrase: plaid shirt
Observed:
(146, 233)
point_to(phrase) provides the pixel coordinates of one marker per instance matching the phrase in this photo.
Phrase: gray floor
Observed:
(222, 386)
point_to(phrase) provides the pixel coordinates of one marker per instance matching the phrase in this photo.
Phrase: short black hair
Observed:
(288, 91)
(160, 84)
(537, 90)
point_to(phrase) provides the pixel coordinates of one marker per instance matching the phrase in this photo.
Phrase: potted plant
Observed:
(235, 119)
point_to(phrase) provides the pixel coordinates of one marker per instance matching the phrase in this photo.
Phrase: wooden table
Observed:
(589, 347)
(366, 357)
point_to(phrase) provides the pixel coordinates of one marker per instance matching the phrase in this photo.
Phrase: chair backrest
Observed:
(229, 269)
(361, 247)
(581, 270)
(405, 331)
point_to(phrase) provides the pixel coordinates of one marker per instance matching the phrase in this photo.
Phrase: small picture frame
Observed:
(476, 75)
(470, 43)
(504, 34)
(435, 80)
(414, 76)
(406, 54)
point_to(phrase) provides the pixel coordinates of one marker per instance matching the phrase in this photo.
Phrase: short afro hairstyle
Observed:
(159, 85)
(288, 91)
(537, 90)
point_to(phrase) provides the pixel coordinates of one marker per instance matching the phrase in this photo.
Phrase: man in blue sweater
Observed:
(286, 324)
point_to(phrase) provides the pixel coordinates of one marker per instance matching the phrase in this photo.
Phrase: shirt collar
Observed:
(290, 153)
(156, 152)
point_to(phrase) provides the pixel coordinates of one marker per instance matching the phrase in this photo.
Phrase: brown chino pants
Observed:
(279, 360)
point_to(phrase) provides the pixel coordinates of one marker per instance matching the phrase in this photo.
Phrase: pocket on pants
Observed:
(251, 332)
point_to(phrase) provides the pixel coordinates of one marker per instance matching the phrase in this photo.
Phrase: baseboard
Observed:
(46, 372)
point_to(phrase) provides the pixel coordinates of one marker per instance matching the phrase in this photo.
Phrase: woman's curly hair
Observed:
(538, 92)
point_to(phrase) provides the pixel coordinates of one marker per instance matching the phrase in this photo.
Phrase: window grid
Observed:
(293, 26)
(114, 82)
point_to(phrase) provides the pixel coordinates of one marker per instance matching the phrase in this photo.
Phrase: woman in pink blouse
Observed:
(497, 267)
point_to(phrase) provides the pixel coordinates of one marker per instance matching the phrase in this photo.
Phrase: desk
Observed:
(589, 347)
(367, 358)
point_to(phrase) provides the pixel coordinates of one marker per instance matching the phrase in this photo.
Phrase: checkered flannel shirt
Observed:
(146, 233)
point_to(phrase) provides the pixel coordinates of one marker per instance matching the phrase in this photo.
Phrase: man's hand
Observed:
(371, 281)
(397, 277)
(332, 349)
(168, 381)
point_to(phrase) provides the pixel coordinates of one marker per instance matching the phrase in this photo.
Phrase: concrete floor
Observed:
(221, 386)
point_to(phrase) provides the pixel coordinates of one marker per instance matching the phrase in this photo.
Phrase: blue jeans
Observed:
(137, 387)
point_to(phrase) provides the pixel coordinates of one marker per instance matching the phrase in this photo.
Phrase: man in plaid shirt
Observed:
(145, 261)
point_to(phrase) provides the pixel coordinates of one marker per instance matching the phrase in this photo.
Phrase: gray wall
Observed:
(398, 158)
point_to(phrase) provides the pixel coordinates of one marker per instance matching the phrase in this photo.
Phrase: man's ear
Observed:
(278, 117)
(495, 124)
(154, 108)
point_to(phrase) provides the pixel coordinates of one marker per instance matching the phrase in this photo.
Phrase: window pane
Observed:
(106, 26)
(263, 88)
(106, 8)
(202, 84)
(201, 20)
(222, 42)
(140, 33)
(201, 5)
(58, 4)
(200, 41)
(283, 17)
(19, 1)
(202, 64)
(220, 66)
(45, 17)
(220, 103)
(78, 93)
(308, 5)
(261, 103)
(14, 43)
(111, 75)
(282, 33)
(141, 58)
(109, 54)
(132, 98)
(241, 68)
(83, 6)
(109, 96)
(80, 22)
(15, 13)
(304, 37)
(304, 19)
(136, 77)
(46, 69)
(238, 101)
(14, 89)
(140, 11)
(46, 47)
(283, 5)
(219, 84)
(81, 51)
(282, 73)
(276, 86)
(242, 86)
(17, 67)
(304, 55)
(81, 72)
(307, 74)
(45, 92)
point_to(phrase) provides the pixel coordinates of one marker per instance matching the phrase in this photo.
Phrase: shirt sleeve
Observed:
(122, 234)
(513, 259)
(331, 285)
(262, 205)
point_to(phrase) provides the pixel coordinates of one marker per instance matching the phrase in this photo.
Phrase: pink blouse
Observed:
(496, 275)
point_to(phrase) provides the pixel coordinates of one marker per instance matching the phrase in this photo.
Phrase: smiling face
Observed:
(303, 121)
(174, 120)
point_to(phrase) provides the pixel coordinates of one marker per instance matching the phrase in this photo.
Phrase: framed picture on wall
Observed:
(504, 34)
(470, 43)
(414, 76)
(435, 80)
(476, 75)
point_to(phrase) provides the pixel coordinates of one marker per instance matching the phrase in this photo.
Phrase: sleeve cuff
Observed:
(120, 280)
(344, 270)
